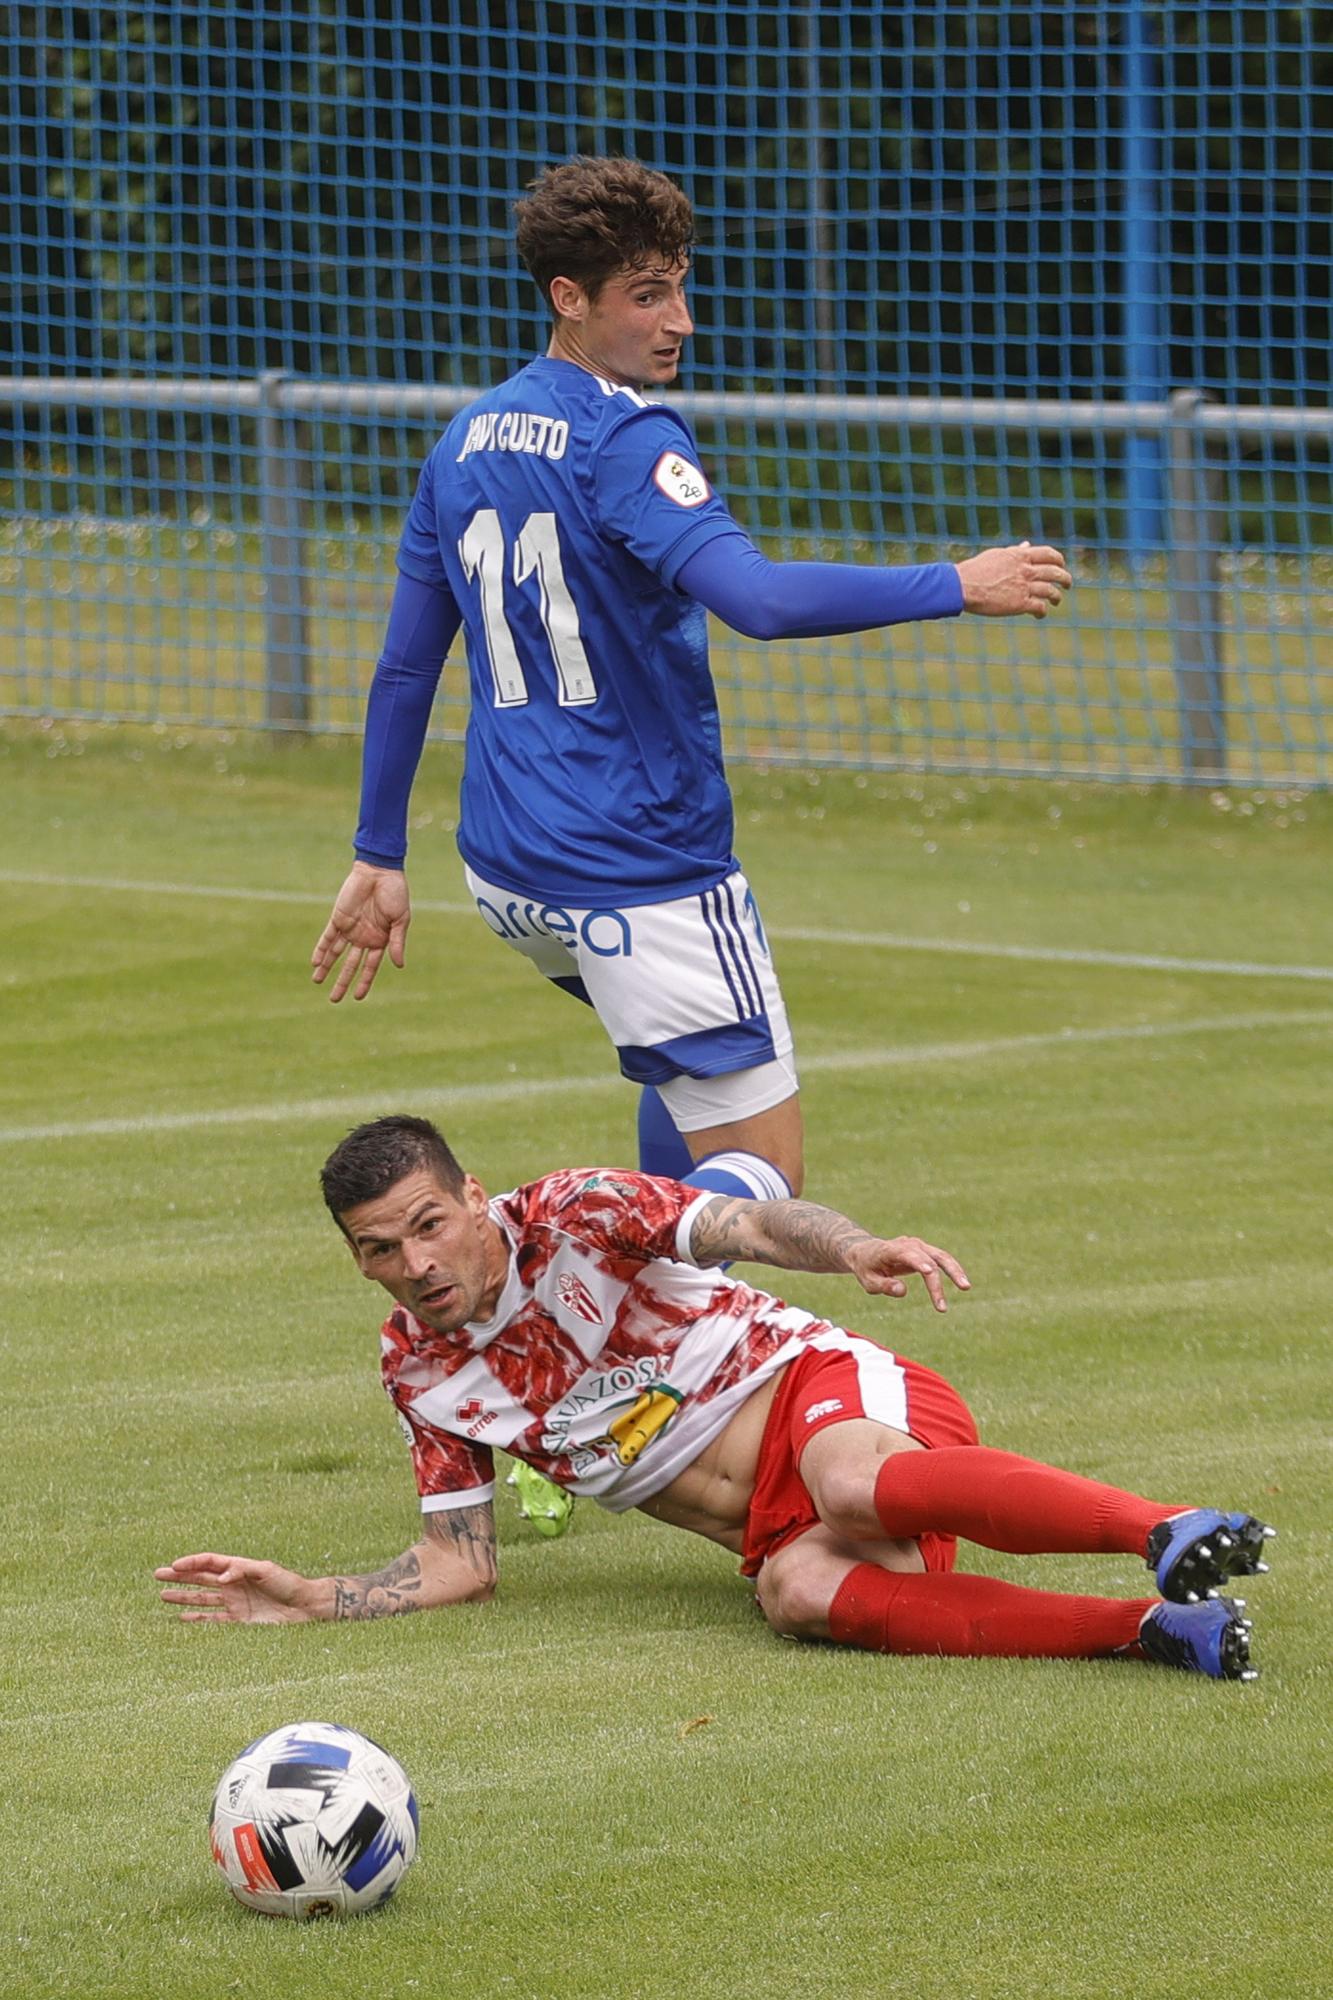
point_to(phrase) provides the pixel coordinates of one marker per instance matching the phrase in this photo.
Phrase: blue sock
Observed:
(661, 1148)
(663, 1151)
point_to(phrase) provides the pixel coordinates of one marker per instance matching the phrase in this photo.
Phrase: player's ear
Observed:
(568, 299)
(475, 1198)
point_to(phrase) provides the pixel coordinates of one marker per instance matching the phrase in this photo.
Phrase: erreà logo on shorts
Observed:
(679, 480)
(573, 1293)
(825, 1409)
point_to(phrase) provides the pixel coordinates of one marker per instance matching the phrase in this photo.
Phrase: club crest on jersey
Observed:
(679, 480)
(574, 1294)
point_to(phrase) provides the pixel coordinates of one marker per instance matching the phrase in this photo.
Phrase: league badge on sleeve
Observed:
(679, 480)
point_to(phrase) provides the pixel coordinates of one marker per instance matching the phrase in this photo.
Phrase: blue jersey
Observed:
(557, 512)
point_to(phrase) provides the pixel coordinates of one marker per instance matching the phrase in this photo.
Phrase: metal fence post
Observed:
(1144, 275)
(1193, 537)
(286, 613)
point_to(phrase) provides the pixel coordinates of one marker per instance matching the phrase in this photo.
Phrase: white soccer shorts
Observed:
(685, 989)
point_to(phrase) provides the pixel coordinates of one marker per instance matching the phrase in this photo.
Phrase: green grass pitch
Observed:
(630, 1790)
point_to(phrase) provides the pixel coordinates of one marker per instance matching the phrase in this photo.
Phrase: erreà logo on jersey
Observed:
(474, 1416)
(574, 1294)
(679, 480)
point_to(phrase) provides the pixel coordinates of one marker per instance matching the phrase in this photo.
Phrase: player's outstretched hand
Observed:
(370, 917)
(233, 1590)
(1008, 583)
(882, 1265)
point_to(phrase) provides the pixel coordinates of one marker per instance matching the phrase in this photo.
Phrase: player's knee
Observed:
(795, 1591)
(841, 1473)
(842, 1492)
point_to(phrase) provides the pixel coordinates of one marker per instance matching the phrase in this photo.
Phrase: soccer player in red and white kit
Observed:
(581, 1324)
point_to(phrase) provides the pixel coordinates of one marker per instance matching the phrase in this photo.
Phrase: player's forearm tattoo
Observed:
(396, 1588)
(470, 1533)
(794, 1235)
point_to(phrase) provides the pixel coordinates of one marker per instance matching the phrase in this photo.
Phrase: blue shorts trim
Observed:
(740, 942)
(733, 956)
(707, 1052)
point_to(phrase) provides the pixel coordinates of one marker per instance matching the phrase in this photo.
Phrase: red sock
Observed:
(1011, 1503)
(969, 1617)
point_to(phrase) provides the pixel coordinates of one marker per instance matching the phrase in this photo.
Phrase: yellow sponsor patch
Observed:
(642, 1421)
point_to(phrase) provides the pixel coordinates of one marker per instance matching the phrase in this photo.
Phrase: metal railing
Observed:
(1188, 425)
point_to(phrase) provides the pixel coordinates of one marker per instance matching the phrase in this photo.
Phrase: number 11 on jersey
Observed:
(536, 554)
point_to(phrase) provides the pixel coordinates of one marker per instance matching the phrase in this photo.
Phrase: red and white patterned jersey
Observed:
(612, 1359)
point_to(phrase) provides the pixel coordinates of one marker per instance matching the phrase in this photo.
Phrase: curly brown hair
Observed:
(588, 219)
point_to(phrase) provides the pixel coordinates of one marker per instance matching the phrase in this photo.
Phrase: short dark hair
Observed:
(589, 218)
(375, 1157)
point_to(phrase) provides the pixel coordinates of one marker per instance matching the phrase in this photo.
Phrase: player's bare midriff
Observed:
(712, 1496)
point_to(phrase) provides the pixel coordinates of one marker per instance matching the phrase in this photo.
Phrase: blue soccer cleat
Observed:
(1192, 1554)
(1209, 1638)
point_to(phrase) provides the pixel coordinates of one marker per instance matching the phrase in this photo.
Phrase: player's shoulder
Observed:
(650, 444)
(571, 1193)
(632, 418)
(550, 1193)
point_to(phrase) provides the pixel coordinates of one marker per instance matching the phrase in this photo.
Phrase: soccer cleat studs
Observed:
(1193, 1554)
(1210, 1638)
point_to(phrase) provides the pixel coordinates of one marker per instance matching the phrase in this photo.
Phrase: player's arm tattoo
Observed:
(395, 1588)
(468, 1532)
(462, 1532)
(794, 1235)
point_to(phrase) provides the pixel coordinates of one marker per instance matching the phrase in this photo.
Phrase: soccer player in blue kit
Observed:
(565, 522)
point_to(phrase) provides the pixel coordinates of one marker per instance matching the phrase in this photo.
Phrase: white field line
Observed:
(513, 1090)
(479, 1662)
(1136, 961)
(794, 934)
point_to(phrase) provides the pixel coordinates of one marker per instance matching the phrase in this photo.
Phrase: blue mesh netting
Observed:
(967, 206)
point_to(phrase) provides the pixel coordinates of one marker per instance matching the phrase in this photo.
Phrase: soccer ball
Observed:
(313, 1821)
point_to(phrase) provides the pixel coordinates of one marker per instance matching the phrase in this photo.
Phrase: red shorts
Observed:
(838, 1377)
